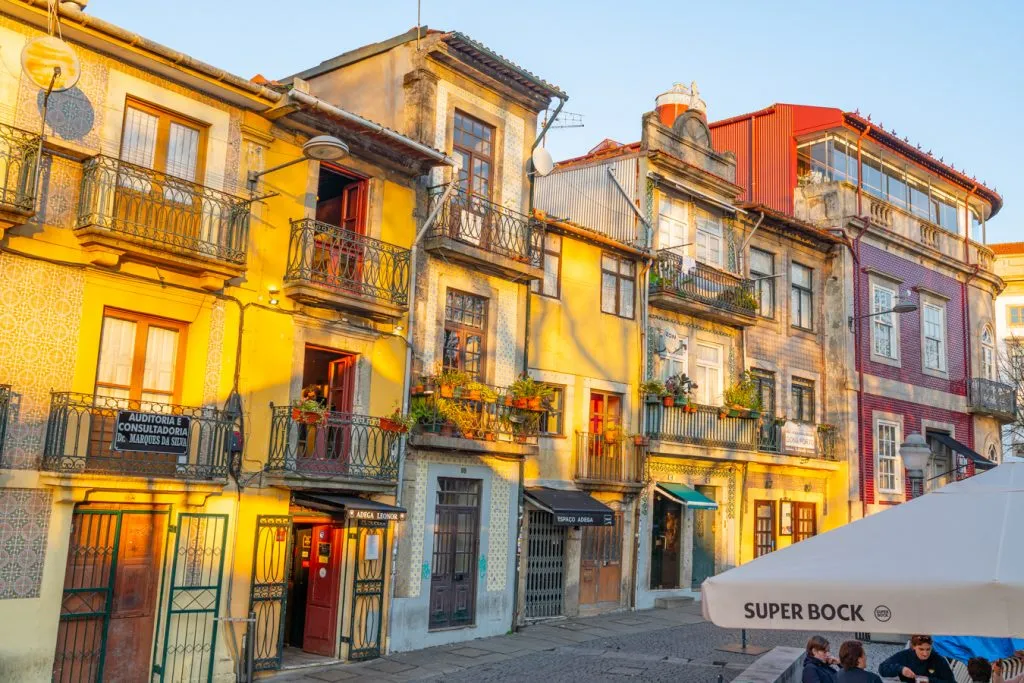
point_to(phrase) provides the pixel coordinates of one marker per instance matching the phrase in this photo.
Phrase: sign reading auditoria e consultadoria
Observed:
(152, 433)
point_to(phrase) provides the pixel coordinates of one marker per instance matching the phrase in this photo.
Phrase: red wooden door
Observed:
(133, 611)
(601, 563)
(341, 380)
(321, 632)
(805, 521)
(340, 251)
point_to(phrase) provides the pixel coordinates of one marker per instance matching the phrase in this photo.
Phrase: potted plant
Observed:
(397, 422)
(679, 387)
(613, 433)
(425, 414)
(473, 391)
(308, 411)
(450, 382)
(529, 394)
(743, 398)
(420, 387)
(641, 440)
(652, 390)
(825, 428)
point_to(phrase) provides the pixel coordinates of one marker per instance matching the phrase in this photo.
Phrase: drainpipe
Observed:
(858, 360)
(965, 304)
(521, 498)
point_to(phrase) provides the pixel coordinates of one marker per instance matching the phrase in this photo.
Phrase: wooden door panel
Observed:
(320, 633)
(805, 522)
(764, 527)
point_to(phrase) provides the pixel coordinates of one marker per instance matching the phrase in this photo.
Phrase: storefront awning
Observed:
(691, 498)
(352, 507)
(571, 508)
(980, 462)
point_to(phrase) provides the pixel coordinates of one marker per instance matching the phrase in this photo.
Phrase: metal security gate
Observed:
(545, 579)
(193, 603)
(268, 597)
(371, 538)
(88, 594)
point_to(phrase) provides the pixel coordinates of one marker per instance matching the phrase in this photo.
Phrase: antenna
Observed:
(566, 119)
(418, 2)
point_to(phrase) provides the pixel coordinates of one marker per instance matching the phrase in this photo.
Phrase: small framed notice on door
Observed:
(371, 549)
(785, 518)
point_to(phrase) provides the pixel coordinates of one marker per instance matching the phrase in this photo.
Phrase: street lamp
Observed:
(319, 148)
(915, 452)
(902, 306)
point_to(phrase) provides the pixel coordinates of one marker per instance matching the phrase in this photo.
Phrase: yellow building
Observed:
(189, 269)
(739, 413)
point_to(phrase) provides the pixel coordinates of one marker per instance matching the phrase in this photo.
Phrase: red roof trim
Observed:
(743, 117)
(607, 153)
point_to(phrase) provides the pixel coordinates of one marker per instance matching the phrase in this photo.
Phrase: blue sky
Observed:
(945, 74)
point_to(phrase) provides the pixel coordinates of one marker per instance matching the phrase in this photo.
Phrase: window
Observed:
(802, 302)
(455, 553)
(827, 160)
(934, 328)
(762, 267)
(552, 420)
(465, 331)
(672, 223)
(988, 354)
(473, 144)
(1015, 316)
(883, 329)
(887, 441)
(802, 391)
(674, 362)
(552, 284)
(163, 141)
(977, 227)
(141, 358)
(709, 238)
(618, 282)
(708, 375)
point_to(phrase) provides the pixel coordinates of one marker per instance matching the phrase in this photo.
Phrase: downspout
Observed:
(743, 330)
(858, 360)
(965, 305)
(521, 498)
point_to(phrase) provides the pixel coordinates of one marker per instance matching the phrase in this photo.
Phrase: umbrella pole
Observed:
(742, 648)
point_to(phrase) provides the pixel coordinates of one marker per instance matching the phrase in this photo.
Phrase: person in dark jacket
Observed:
(818, 662)
(919, 660)
(854, 661)
(979, 669)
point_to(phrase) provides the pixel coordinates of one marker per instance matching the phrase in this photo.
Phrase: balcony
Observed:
(335, 267)
(697, 289)
(5, 409)
(352, 449)
(992, 398)
(19, 151)
(104, 435)
(486, 236)
(477, 421)
(799, 439)
(608, 464)
(130, 212)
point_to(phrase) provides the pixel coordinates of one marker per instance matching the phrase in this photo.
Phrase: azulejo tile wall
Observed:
(24, 523)
(40, 315)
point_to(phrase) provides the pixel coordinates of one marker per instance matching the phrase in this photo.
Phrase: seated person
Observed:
(818, 662)
(979, 670)
(919, 660)
(854, 661)
(997, 671)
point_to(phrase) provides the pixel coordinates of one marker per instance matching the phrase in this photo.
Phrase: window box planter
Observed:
(668, 401)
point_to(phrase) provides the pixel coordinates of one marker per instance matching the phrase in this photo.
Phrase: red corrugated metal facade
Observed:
(764, 143)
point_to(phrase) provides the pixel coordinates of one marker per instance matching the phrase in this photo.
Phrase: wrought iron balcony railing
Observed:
(341, 260)
(702, 427)
(162, 210)
(334, 445)
(989, 397)
(487, 414)
(699, 282)
(5, 409)
(90, 433)
(608, 459)
(19, 152)
(475, 221)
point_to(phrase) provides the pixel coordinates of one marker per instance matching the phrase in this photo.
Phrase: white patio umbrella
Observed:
(950, 562)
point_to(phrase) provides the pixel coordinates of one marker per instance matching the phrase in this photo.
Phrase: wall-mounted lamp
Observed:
(902, 306)
(319, 148)
(273, 296)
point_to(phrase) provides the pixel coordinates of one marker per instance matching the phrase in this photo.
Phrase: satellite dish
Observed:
(42, 54)
(542, 162)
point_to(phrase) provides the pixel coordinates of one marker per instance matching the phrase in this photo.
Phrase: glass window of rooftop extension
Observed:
(473, 144)
(832, 159)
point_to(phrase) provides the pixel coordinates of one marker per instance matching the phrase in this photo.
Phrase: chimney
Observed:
(671, 103)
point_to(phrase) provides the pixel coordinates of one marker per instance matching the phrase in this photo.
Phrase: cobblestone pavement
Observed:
(652, 645)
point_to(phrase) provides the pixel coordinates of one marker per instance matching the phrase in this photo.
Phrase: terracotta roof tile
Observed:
(1007, 248)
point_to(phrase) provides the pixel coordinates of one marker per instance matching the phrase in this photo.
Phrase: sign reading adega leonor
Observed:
(152, 433)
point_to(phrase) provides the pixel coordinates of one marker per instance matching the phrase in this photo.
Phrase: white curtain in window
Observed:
(138, 139)
(117, 348)
(709, 239)
(672, 224)
(158, 375)
(708, 363)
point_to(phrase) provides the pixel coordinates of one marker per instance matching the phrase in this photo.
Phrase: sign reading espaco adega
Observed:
(151, 433)
(813, 611)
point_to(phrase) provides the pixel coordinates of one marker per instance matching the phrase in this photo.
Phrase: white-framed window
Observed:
(708, 373)
(673, 220)
(988, 354)
(934, 329)
(887, 466)
(884, 340)
(710, 248)
(675, 363)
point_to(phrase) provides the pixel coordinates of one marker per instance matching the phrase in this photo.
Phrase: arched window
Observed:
(993, 453)
(988, 354)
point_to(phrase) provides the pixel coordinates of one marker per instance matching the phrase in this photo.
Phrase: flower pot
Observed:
(640, 440)
(391, 426)
(508, 400)
(308, 417)
(520, 403)
(473, 394)
(447, 390)
(652, 398)
(458, 392)
(754, 414)
(490, 436)
(447, 430)
(418, 389)
(533, 403)
(611, 436)
(733, 412)
(668, 401)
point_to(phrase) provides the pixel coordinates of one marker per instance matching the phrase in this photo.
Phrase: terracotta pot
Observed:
(391, 426)
(508, 399)
(447, 391)
(491, 436)
(418, 389)
(473, 394)
(639, 440)
(668, 401)
(447, 430)
(520, 403)
(533, 403)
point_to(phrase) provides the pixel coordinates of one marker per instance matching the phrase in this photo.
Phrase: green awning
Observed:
(681, 493)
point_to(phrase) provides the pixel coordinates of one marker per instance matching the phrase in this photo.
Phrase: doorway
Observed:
(314, 580)
(666, 542)
(704, 539)
(805, 521)
(601, 563)
(545, 564)
(338, 254)
(456, 548)
(329, 378)
(764, 527)
(940, 465)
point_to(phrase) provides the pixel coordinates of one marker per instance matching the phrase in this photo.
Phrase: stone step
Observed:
(672, 603)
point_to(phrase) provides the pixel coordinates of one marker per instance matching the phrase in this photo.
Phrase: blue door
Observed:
(703, 540)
